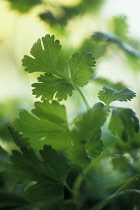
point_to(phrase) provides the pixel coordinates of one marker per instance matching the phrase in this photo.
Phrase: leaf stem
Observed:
(82, 95)
(75, 86)
(119, 192)
(68, 188)
(133, 179)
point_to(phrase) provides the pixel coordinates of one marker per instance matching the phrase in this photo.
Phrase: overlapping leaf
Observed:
(81, 67)
(87, 141)
(49, 85)
(55, 83)
(49, 177)
(48, 125)
(124, 123)
(107, 95)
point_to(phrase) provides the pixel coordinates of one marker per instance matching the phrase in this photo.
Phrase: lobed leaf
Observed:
(45, 56)
(50, 86)
(108, 95)
(86, 135)
(55, 83)
(81, 67)
(48, 125)
(49, 178)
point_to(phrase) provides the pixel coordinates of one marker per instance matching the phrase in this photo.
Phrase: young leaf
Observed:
(120, 26)
(81, 67)
(124, 123)
(50, 173)
(47, 126)
(55, 83)
(107, 95)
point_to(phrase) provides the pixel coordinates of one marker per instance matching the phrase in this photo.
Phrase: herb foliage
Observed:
(54, 158)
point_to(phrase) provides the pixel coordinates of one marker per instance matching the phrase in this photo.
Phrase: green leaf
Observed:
(86, 135)
(45, 56)
(17, 138)
(50, 86)
(107, 95)
(124, 123)
(120, 26)
(48, 176)
(47, 126)
(13, 199)
(23, 6)
(81, 67)
(57, 163)
(93, 147)
(55, 83)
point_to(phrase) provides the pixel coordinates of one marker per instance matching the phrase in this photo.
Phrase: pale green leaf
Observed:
(108, 95)
(81, 67)
(45, 56)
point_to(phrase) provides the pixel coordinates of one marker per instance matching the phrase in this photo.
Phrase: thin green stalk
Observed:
(133, 179)
(68, 188)
(75, 86)
(82, 95)
(119, 192)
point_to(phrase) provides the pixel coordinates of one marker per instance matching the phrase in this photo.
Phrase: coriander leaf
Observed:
(54, 112)
(120, 26)
(55, 162)
(49, 174)
(86, 135)
(50, 86)
(93, 147)
(46, 126)
(23, 6)
(55, 83)
(13, 199)
(107, 95)
(17, 138)
(45, 56)
(45, 193)
(81, 67)
(124, 123)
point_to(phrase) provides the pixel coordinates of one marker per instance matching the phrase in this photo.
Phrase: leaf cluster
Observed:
(54, 160)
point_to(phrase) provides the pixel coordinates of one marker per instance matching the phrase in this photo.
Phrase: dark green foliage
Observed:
(46, 178)
(124, 122)
(87, 143)
(67, 165)
(23, 6)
